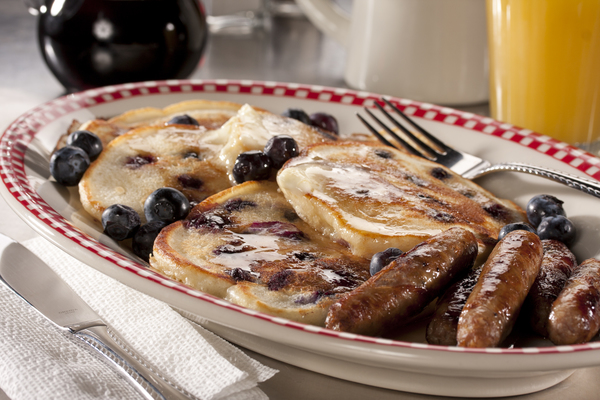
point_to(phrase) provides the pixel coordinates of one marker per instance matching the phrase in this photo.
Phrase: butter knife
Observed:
(33, 280)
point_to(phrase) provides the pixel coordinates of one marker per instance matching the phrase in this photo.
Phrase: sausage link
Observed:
(492, 308)
(402, 289)
(443, 324)
(558, 264)
(575, 315)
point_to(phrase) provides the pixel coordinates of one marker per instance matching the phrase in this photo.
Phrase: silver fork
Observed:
(464, 164)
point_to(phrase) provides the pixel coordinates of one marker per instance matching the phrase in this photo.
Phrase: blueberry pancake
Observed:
(247, 245)
(100, 127)
(144, 159)
(209, 114)
(372, 197)
(193, 159)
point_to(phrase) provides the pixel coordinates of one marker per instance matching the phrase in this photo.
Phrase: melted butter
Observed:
(265, 248)
(345, 182)
(171, 138)
(351, 180)
(331, 276)
(252, 129)
(383, 228)
(219, 136)
(245, 131)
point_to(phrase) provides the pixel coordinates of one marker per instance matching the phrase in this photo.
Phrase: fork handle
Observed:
(585, 185)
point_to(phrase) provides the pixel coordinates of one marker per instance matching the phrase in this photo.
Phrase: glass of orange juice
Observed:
(545, 67)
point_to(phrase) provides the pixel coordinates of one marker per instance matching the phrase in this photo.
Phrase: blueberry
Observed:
(235, 205)
(280, 149)
(167, 205)
(440, 173)
(298, 114)
(383, 258)
(87, 141)
(383, 153)
(136, 162)
(68, 164)
(183, 119)
(543, 205)
(252, 165)
(557, 227)
(324, 121)
(517, 226)
(120, 222)
(190, 182)
(143, 240)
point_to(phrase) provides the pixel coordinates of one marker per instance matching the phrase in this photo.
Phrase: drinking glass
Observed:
(545, 67)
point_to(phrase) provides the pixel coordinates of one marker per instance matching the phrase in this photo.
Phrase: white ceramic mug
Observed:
(425, 50)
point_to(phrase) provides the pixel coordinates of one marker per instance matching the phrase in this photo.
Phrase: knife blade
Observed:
(38, 284)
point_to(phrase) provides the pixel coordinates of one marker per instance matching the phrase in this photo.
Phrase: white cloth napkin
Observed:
(38, 360)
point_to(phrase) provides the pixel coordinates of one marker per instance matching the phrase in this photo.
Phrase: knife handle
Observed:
(143, 377)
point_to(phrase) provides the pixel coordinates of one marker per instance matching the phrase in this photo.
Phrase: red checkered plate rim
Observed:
(17, 137)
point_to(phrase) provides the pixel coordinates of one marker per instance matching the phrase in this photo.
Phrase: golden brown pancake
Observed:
(209, 114)
(247, 245)
(193, 159)
(371, 197)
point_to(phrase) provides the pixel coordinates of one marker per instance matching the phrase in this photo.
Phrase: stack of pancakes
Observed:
(292, 245)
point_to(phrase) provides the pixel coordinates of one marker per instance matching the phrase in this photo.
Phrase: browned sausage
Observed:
(575, 315)
(442, 326)
(506, 277)
(558, 264)
(403, 288)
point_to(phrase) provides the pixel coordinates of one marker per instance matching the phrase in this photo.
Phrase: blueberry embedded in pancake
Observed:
(247, 245)
(373, 197)
(191, 158)
(144, 159)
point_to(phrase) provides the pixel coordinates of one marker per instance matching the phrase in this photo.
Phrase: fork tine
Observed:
(428, 149)
(374, 131)
(418, 127)
(402, 142)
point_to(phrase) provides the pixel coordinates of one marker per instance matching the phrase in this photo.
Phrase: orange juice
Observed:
(545, 66)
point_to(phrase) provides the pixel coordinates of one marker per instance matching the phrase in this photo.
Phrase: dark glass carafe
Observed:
(91, 43)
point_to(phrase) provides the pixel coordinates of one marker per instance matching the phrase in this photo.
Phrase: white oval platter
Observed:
(406, 364)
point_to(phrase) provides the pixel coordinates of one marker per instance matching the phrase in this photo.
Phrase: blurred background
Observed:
(248, 39)
(244, 43)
